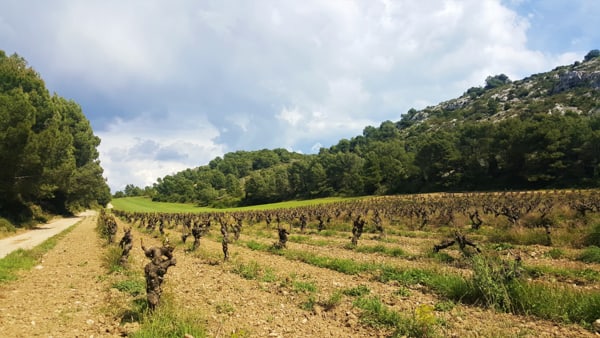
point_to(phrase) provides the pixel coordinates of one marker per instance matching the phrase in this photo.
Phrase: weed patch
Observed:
(590, 255)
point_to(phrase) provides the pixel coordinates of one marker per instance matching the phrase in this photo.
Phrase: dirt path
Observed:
(30, 239)
(64, 296)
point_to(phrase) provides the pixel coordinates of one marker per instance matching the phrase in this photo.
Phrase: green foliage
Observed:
(590, 254)
(302, 286)
(334, 300)
(111, 259)
(555, 253)
(528, 134)
(594, 53)
(17, 260)
(555, 302)
(593, 237)
(422, 323)
(47, 148)
(496, 81)
(357, 291)
(492, 282)
(379, 248)
(247, 271)
(6, 226)
(169, 321)
(133, 287)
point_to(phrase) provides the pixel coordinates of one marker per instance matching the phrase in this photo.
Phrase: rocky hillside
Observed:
(566, 89)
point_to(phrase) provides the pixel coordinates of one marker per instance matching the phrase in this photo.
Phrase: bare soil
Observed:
(69, 294)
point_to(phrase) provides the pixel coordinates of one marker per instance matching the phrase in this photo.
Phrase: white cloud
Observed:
(186, 81)
(141, 150)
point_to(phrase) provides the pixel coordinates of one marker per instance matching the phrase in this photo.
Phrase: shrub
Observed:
(491, 279)
(590, 255)
(6, 226)
(555, 253)
(593, 237)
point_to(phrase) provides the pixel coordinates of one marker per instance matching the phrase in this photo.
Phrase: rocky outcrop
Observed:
(575, 78)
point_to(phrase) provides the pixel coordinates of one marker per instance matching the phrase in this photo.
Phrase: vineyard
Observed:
(473, 264)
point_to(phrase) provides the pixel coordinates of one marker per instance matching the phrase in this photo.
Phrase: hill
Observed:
(539, 132)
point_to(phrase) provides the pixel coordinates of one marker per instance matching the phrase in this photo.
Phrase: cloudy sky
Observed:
(169, 85)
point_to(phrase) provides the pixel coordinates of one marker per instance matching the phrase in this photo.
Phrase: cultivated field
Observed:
(493, 265)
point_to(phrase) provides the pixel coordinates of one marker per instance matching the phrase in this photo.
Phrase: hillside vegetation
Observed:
(539, 132)
(47, 149)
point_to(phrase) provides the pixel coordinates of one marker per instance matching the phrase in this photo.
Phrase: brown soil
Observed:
(69, 295)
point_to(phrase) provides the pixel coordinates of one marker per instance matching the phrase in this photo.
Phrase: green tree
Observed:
(594, 53)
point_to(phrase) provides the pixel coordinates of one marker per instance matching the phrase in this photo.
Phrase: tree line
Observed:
(540, 132)
(47, 149)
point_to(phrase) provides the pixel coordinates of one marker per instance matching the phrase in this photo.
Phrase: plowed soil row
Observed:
(70, 295)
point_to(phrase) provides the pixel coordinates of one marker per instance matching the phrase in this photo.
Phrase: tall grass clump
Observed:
(561, 303)
(590, 255)
(247, 271)
(491, 282)
(167, 320)
(422, 322)
(111, 259)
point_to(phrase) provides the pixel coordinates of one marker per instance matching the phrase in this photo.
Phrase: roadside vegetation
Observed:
(21, 259)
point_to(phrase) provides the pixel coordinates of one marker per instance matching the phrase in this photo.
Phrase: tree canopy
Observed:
(47, 148)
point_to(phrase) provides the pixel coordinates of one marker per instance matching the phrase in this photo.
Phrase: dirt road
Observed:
(65, 295)
(36, 236)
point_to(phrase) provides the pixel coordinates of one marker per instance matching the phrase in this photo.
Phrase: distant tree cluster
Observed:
(504, 136)
(47, 148)
(545, 151)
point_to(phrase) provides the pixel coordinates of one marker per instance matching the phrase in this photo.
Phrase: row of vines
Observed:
(485, 239)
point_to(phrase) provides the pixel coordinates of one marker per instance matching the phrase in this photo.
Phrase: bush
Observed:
(492, 279)
(593, 237)
(590, 255)
(555, 253)
(6, 226)
(594, 53)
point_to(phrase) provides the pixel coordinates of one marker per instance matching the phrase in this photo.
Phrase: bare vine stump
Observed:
(460, 239)
(197, 232)
(357, 229)
(126, 245)
(161, 258)
(283, 238)
(225, 241)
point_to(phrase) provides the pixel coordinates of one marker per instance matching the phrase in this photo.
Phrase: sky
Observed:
(170, 85)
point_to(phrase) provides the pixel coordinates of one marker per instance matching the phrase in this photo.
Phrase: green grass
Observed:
(588, 275)
(379, 248)
(422, 323)
(357, 291)
(133, 287)
(144, 204)
(590, 254)
(27, 259)
(249, 270)
(490, 286)
(111, 258)
(301, 287)
(169, 321)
